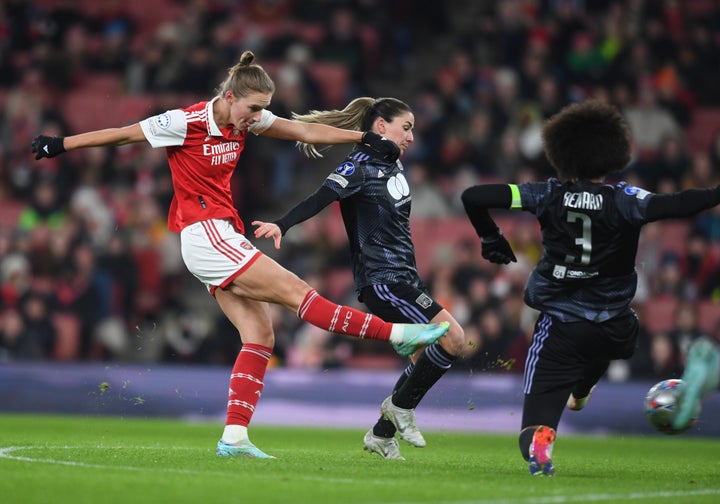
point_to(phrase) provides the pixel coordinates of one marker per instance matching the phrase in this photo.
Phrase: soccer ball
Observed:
(660, 406)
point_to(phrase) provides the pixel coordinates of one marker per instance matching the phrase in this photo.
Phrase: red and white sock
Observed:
(246, 384)
(340, 319)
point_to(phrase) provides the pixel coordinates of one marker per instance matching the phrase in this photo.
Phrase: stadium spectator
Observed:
(698, 263)
(700, 172)
(708, 224)
(83, 290)
(656, 357)
(118, 261)
(16, 343)
(36, 309)
(375, 199)
(491, 342)
(649, 122)
(428, 200)
(15, 278)
(344, 44)
(686, 329)
(203, 143)
(669, 163)
(585, 280)
(45, 208)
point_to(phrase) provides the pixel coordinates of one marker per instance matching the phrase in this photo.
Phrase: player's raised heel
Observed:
(416, 336)
(404, 421)
(242, 449)
(540, 463)
(578, 403)
(701, 375)
(385, 447)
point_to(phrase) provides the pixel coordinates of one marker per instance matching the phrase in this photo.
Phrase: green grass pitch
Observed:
(65, 459)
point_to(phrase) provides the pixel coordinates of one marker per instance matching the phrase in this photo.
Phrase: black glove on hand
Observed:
(496, 249)
(45, 146)
(387, 149)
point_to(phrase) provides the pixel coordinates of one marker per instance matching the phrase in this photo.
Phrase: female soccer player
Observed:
(203, 143)
(585, 279)
(375, 202)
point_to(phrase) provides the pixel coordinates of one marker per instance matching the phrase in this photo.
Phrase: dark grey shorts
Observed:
(400, 303)
(560, 351)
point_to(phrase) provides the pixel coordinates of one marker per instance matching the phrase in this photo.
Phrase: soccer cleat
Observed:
(241, 449)
(701, 375)
(540, 463)
(387, 448)
(416, 336)
(578, 403)
(404, 421)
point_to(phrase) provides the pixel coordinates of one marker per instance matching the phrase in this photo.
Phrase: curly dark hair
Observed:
(587, 140)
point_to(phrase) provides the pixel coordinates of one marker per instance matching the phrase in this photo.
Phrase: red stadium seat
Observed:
(106, 82)
(9, 213)
(334, 80)
(658, 314)
(338, 283)
(705, 124)
(709, 316)
(97, 109)
(674, 235)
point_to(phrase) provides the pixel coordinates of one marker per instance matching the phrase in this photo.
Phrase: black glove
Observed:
(496, 249)
(45, 146)
(387, 149)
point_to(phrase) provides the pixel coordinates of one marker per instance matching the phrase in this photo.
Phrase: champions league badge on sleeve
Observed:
(636, 191)
(344, 170)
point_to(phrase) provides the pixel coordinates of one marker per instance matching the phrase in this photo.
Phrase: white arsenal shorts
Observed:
(215, 252)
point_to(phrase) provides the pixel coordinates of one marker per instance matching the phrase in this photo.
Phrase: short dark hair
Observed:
(587, 140)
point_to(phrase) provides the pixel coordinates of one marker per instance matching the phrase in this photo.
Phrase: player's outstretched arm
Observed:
(48, 147)
(309, 207)
(477, 200)
(682, 203)
(316, 133)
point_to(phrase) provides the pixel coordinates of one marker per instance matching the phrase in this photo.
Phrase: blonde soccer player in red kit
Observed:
(203, 143)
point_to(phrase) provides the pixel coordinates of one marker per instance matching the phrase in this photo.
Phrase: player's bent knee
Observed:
(260, 338)
(454, 342)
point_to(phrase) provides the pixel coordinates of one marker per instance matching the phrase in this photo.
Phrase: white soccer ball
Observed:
(661, 404)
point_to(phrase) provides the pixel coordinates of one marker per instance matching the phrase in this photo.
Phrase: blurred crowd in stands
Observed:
(88, 269)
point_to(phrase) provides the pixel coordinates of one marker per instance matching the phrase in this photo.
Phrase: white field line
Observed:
(7, 453)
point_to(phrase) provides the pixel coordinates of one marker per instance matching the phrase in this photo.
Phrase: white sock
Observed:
(396, 333)
(233, 434)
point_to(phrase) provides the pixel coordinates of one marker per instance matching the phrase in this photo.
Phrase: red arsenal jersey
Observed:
(202, 158)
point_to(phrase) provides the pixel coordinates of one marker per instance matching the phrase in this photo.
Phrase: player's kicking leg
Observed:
(701, 376)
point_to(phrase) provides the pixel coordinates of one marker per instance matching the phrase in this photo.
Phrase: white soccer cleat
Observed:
(404, 422)
(387, 448)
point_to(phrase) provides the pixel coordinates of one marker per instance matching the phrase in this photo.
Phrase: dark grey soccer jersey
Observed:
(375, 204)
(590, 236)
